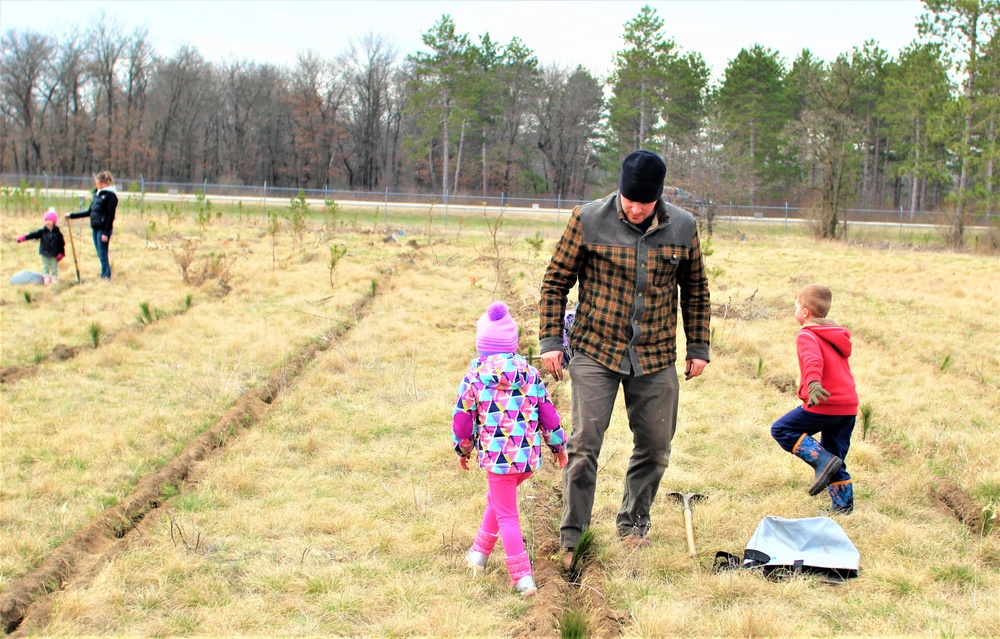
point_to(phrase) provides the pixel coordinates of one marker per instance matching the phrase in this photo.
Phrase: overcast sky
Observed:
(565, 32)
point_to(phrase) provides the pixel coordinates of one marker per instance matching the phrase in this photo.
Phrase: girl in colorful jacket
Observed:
(503, 412)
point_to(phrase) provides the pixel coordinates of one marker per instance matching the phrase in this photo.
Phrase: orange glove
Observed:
(560, 459)
(463, 462)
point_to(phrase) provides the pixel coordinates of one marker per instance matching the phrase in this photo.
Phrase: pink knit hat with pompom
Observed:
(496, 331)
(51, 215)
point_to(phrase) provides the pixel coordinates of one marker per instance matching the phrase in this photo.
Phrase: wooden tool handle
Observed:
(690, 532)
(72, 245)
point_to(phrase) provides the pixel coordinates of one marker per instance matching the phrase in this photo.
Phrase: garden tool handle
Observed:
(690, 532)
(72, 245)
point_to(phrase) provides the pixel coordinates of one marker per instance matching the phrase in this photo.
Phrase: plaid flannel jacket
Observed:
(627, 277)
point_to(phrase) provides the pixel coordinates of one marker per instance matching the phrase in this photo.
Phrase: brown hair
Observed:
(105, 177)
(816, 298)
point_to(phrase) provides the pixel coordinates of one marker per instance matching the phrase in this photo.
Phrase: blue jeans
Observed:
(102, 253)
(835, 433)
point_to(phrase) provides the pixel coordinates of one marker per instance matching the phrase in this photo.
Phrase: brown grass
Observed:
(342, 513)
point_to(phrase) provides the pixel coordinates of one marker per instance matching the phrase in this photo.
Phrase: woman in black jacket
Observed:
(102, 218)
(52, 248)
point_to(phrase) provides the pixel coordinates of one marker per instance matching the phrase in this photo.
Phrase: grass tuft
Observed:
(96, 332)
(147, 315)
(990, 515)
(573, 624)
(584, 550)
(946, 362)
(867, 410)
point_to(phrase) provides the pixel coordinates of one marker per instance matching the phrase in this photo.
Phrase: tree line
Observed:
(475, 116)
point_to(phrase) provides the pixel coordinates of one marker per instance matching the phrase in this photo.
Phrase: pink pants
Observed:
(501, 511)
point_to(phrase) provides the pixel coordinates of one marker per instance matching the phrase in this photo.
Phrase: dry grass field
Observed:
(269, 454)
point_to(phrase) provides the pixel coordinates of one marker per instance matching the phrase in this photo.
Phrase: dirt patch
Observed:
(12, 374)
(85, 551)
(783, 384)
(950, 496)
(61, 352)
(541, 619)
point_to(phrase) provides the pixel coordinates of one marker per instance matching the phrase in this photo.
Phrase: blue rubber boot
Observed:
(826, 464)
(842, 497)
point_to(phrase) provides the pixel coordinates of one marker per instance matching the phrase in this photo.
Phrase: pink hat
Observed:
(51, 215)
(496, 331)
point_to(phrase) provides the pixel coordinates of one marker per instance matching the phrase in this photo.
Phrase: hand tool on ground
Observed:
(687, 499)
(73, 246)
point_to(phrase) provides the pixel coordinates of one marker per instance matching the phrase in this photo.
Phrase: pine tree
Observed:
(917, 98)
(438, 86)
(754, 111)
(640, 82)
(964, 27)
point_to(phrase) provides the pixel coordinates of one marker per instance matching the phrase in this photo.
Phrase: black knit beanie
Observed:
(642, 176)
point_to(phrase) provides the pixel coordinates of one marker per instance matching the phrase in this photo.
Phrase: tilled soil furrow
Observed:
(556, 595)
(83, 551)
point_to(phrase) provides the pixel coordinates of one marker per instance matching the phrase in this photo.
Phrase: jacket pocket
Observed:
(665, 263)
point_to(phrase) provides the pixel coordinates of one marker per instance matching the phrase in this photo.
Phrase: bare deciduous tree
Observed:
(25, 70)
(370, 77)
(567, 115)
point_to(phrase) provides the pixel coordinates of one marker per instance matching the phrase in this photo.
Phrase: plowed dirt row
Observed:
(84, 550)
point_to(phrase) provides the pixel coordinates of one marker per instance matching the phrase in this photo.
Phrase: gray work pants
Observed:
(651, 402)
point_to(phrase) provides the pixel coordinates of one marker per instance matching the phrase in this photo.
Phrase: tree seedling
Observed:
(96, 333)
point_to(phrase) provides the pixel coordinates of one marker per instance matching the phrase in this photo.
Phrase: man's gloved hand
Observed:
(817, 394)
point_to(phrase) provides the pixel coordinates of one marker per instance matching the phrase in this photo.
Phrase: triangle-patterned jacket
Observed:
(504, 411)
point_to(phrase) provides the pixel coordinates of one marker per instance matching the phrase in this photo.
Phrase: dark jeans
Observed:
(835, 433)
(651, 403)
(102, 253)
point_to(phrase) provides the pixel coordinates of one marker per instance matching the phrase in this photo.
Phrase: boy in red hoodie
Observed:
(830, 400)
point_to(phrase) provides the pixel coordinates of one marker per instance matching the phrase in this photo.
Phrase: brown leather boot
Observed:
(566, 559)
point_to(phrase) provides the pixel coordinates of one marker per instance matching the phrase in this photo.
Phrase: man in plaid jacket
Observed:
(635, 259)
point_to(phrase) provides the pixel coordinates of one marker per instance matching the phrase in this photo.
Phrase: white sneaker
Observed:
(526, 586)
(476, 562)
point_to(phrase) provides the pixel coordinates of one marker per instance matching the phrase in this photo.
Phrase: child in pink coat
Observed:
(502, 413)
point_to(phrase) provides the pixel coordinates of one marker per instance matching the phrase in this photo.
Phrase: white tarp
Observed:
(27, 277)
(813, 542)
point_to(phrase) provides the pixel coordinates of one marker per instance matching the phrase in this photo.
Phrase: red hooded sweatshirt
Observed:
(823, 352)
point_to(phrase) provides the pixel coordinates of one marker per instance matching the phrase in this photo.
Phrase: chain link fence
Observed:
(726, 213)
